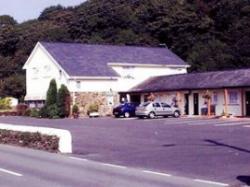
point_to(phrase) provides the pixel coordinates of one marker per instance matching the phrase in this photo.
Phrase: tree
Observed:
(51, 93)
(14, 86)
(63, 101)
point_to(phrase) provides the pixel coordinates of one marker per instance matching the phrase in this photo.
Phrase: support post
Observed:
(209, 107)
(242, 102)
(226, 102)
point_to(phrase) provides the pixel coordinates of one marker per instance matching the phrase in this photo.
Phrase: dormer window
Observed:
(128, 72)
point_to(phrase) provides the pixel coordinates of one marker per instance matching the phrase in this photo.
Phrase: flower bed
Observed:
(30, 140)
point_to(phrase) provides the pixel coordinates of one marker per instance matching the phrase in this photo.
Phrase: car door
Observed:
(157, 109)
(167, 110)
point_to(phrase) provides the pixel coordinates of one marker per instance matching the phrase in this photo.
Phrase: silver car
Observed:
(153, 109)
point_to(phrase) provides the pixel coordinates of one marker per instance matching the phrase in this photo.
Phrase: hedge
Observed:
(30, 140)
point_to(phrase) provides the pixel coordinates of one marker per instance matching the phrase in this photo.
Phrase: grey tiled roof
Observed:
(92, 60)
(208, 80)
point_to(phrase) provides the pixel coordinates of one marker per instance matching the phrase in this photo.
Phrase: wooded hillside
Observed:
(208, 34)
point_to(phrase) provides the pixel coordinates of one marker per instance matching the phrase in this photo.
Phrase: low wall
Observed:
(65, 138)
(104, 100)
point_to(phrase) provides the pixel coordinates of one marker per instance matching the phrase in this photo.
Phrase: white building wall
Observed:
(39, 72)
(133, 75)
(233, 109)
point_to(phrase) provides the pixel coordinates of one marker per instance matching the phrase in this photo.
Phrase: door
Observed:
(135, 99)
(157, 109)
(247, 103)
(187, 104)
(196, 104)
(167, 110)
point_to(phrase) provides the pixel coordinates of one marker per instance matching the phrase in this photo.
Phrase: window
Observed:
(156, 105)
(215, 98)
(35, 72)
(46, 69)
(165, 105)
(233, 97)
(78, 84)
(129, 72)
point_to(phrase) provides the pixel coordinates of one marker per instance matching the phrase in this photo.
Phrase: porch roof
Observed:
(196, 81)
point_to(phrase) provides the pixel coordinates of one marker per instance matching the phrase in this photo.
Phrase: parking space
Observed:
(209, 149)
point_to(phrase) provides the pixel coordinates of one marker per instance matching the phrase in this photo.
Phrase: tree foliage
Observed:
(51, 93)
(210, 35)
(63, 101)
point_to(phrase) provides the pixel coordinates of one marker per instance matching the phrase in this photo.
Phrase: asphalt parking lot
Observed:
(208, 149)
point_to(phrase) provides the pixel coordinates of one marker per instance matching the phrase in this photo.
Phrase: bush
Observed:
(51, 93)
(43, 112)
(27, 112)
(93, 108)
(75, 109)
(31, 140)
(52, 111)
(21, 109)
(5, 103)
(63, 102)
(34, 113)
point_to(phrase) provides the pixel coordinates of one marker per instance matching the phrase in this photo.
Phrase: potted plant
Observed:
(75, 112)
(93, 110)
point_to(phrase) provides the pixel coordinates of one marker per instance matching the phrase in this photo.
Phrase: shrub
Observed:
(52, 111)
(31, 140)
(5, 103)
(63, 101)
(75, 109)
(51, 93)
(27, 112)
(21, 109)
(34, 113)
(93, 108)
(43, 112)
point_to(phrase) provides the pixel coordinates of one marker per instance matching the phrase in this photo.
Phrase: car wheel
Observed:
(127, 115)
(176, 114)
(151, 115)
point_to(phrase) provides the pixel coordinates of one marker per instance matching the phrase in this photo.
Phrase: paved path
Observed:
(214, 150)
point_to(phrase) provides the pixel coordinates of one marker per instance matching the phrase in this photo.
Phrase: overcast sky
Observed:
(23, 10)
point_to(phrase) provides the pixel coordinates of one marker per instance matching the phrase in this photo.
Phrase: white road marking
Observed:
(210, 182)
(80, 159)
(114, 166)
(10, 172)
(157, 173)
(233, 124)
(247, 126)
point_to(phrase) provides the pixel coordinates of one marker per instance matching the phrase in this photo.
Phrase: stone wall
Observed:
(84, 99)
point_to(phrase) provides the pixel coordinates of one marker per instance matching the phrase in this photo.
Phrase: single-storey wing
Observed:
(226, 92)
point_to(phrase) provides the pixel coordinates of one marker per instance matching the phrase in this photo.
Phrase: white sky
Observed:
(23, 10)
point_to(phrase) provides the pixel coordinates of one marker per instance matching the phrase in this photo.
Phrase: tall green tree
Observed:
(63, 101)
(51, 93)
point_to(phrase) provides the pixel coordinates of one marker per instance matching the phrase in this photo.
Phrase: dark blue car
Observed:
(125, 109)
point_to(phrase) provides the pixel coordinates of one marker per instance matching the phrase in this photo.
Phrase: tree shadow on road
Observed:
(226, 145)
(244, 179)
